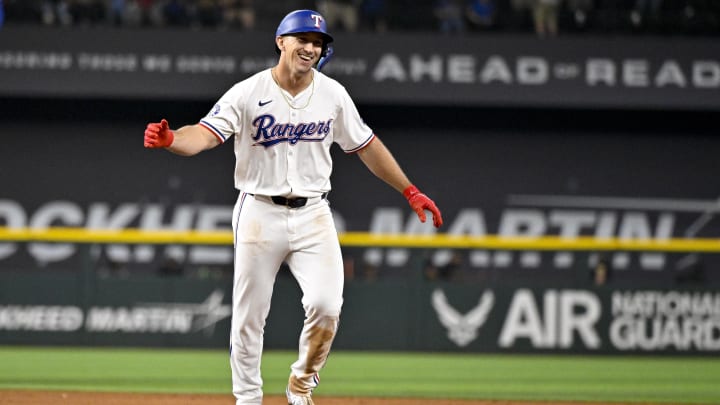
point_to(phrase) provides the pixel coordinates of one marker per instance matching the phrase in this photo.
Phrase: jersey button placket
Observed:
(291, 157)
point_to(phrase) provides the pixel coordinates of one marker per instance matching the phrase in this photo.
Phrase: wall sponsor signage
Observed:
(476, 70)
(139, 317)
(451, 317)
(569, 217)
(587, 320)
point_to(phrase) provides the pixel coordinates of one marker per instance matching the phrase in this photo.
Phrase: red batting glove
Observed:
(420, 202)
(158, 135)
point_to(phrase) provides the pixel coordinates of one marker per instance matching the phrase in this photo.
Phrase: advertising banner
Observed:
(392, 68)
(575, 320)
(82, 309)
(486, 183)
(384, 315)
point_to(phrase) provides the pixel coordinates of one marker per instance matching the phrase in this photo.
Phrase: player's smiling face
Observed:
(302, 50)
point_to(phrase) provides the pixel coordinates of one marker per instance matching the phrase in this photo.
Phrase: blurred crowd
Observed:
(544, 17)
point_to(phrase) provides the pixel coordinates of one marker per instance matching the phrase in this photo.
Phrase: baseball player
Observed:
(284, 120)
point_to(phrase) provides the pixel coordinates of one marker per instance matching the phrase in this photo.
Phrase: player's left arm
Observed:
(378, 159)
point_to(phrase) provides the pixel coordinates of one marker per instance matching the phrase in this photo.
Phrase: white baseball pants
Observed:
(265, 236)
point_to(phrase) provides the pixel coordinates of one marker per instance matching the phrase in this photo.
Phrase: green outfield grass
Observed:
(676, 380)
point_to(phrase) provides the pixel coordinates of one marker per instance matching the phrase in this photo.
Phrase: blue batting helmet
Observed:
(304, 21)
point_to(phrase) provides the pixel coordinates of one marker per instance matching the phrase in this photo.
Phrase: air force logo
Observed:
(462, 329)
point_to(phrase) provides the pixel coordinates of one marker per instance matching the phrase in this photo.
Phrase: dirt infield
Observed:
(18, 397)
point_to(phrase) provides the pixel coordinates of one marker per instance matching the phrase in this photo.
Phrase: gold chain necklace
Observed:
(287, 100)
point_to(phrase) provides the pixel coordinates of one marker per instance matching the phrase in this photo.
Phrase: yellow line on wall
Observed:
(364, 239)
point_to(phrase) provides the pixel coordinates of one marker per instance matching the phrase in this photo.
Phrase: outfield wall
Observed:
(383, 315)
(566, 183)
(501, 182)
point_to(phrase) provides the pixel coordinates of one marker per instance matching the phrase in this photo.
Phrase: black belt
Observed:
(293, 202)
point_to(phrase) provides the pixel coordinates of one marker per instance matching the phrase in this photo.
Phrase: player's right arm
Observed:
(186, 141)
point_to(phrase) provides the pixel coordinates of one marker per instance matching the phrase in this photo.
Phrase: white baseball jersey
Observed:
(282, 143)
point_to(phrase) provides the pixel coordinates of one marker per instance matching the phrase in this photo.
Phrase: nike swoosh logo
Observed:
(260, 103)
